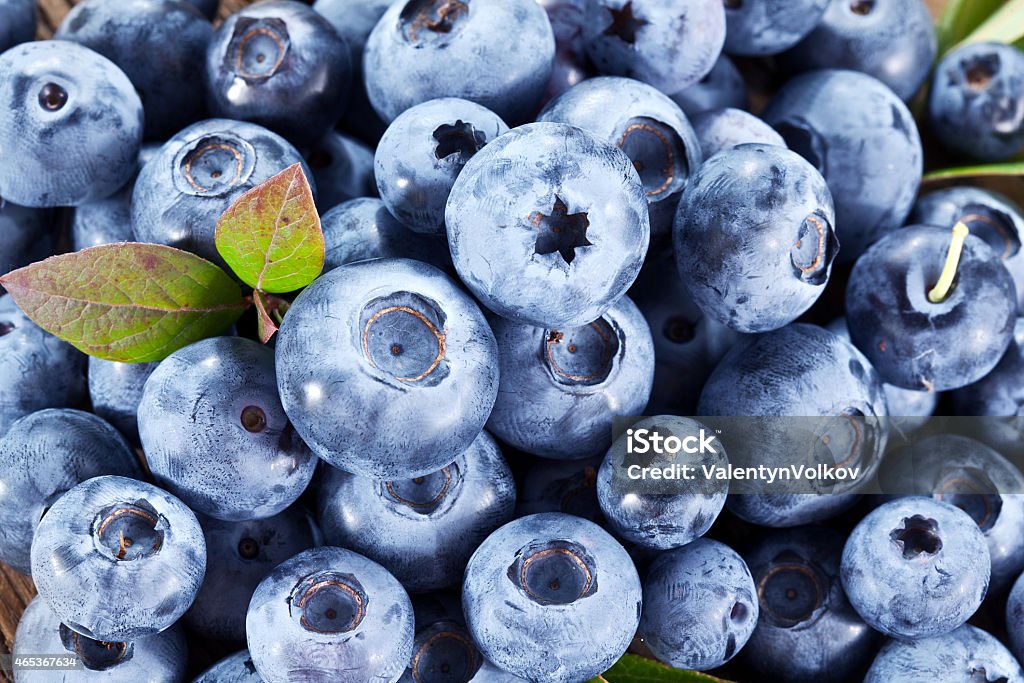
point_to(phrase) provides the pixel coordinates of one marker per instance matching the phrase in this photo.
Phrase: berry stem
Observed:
(940, 291)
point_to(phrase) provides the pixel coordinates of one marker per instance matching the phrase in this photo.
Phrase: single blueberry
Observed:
(118, 559)
(423, 151)
(424, 529)
(645, 124)
(568, 486)
(281, 65)
(70, 127)
(37, 370)
(363, 228)
(26, 236)
(755, 238)
(571, 66)
(966, 654)
(330, 614)
(108, 220)
(42, 456)
(1015, 617)
(183, 190)
(562, 387)
(722, 87)
(1000, 393)
(548, 225)
(976, 104)
(917, 343)
(424, 49)
(892, 40)
(661, 520)
(342, 168)
(238, 556)
(236, 668)
(915, 568)
(721, 129)
(129, 34)
(767, 27)
(215, 433)
(386, 368)
(670, 44)
(700, 605)
(17, 22)
(806, 628)
(863, 140)
(551, 573)
(159, 658)
(116, 390)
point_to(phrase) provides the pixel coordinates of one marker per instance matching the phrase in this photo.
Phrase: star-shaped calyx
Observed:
(624, 24)
(561, 231)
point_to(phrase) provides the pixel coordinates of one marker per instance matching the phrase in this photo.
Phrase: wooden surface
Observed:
(52, 11)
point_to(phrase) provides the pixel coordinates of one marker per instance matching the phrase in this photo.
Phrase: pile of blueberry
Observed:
(539, 216)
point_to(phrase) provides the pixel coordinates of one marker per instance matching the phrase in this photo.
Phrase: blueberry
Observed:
(571, 66)
(700, 605)
(645, 124)
(424, 529)
(548, 225)
(863, 140)
(236, 668)
(721, 129)
(978, 480)
(424, 49)
(422, 153)
(207, 7)
(568, 486)
(17, 22)
(892, 40)
(995, 218)
(118, 559)
(130, 34)
(215, 433)
(70, 127)
(1001, 391)
(915, 568)
(722, 87)
(108, 220)
(26, 236)
(662, 519)
(916, 405)
(551, 573)
(342, 168)
(159, 658)
(687, 343)
(767, 27)
(386, 368)
(976, 104)
(281, 65)
(363, 228)
(562, 387)
(238, 556)
(966, 654)
(183, 190)
(913, 342)
(807, 629)
(802, 371)
(755, 238)
(116, 390)
(37, 370)
(42, 456)
(1015, 618)
(670, 44)
(330, 614)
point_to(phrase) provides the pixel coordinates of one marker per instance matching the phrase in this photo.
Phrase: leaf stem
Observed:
(941, 289)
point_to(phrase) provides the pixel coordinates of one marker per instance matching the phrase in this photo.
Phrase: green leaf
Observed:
(960, 18)
(1005, 25)
(635, 669)
(127, 302)
(271, 235)
(1010, 168)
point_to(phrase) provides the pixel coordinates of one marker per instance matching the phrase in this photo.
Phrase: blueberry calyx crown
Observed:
(425, 21)
(328, 602)
(679, 330)
(129, 531)
(814, 250)
(253, 419)
(793, 591)
(995, 227)
(214, 164)
(560, 232)
(424, 495)
(258, 48)
(979, 71)
(53, 97)
(624, 24)
(459, 139)
(403, 335)
(862, 7)
(554, 572)
(919, 535)
(96, 655)
(445, 652)
(658, 155)
(583, 355)
(971, 490)
(248, 548)
(6, 327)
